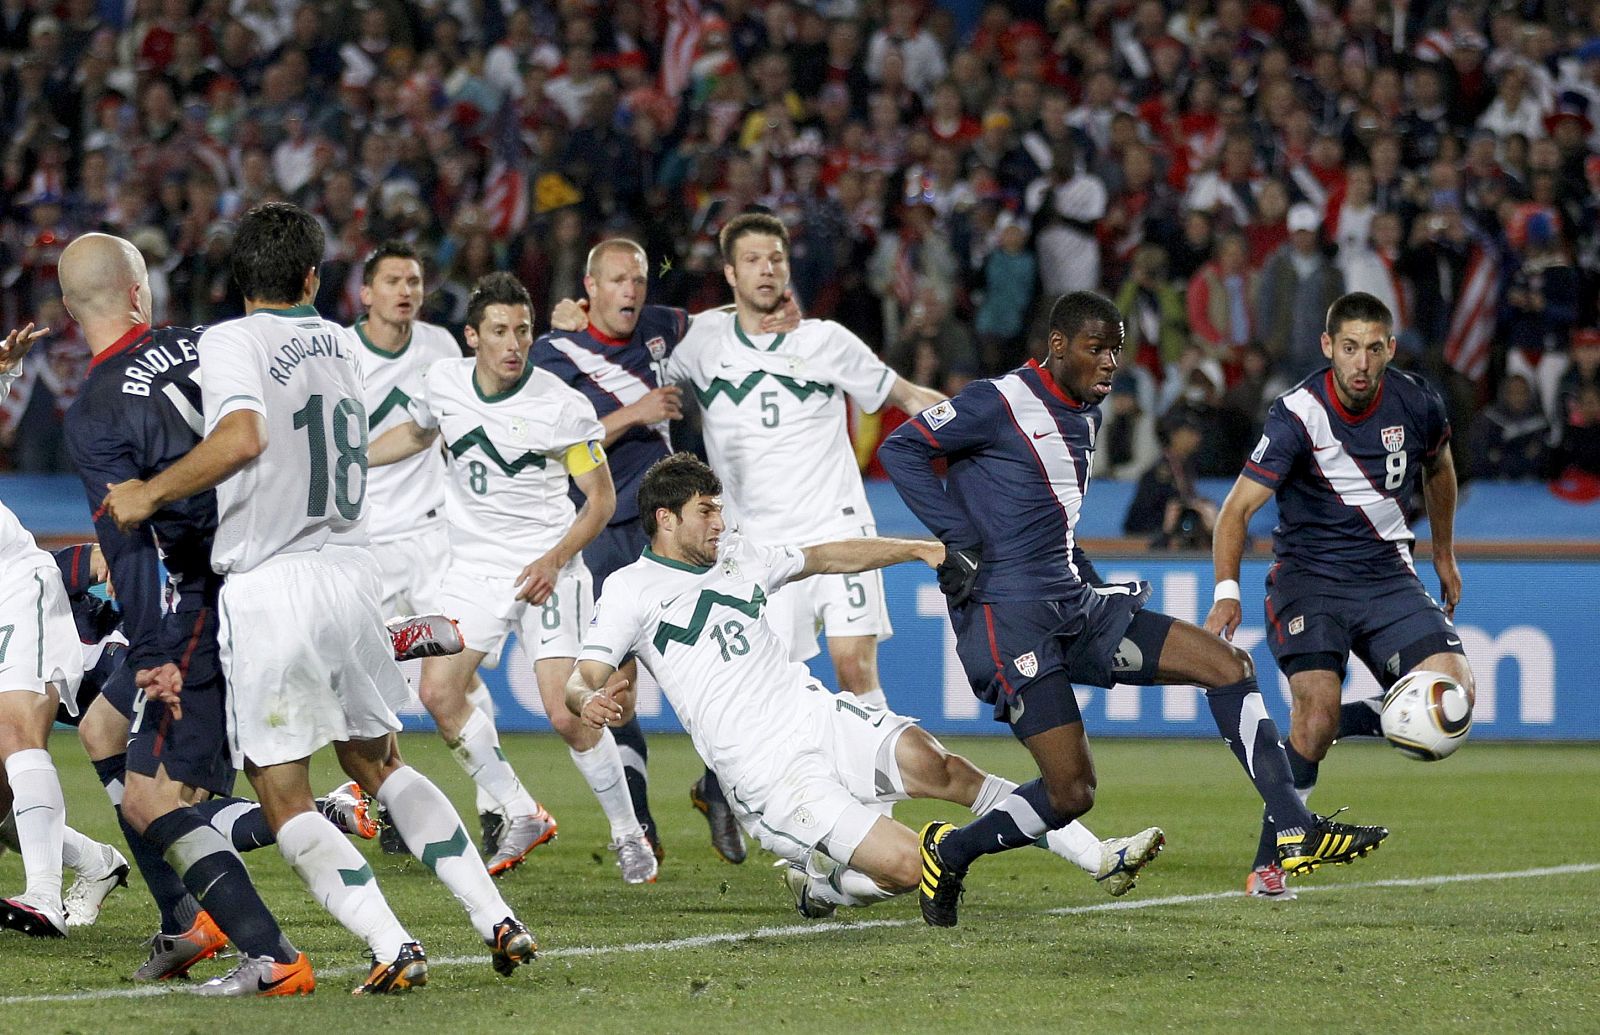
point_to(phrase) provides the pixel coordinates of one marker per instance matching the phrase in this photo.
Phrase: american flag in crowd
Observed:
(505, 188)
(677, 52)
(1466, 347)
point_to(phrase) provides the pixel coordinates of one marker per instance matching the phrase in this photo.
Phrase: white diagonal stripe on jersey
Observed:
(1043, 435)
(616, 380)
(1344, 475)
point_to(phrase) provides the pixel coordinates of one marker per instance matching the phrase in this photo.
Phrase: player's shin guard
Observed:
(478, 752)
(601, 767)
(41, 819)
(636, 768)
(427, 821)
(479, 698)
(1242, 719)
(340, 879)
(240, 820)
(1019, 820)
(178, 908)
(213, 872)
(1073, 842)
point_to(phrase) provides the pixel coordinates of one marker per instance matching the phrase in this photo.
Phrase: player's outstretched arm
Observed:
(596, 694)
(1439, 493)
(1227, 549)
(399, 442)
(912, 398)
(538, 580)
(852, 555)
(16, 346)
(236, 441)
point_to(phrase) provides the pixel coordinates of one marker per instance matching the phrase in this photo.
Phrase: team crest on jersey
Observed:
(939, 414)
(1260, 450)
(1297, 625)
(1028, 664)
(730, 569)
(519, 429)
(657, 347)
(1394, 439)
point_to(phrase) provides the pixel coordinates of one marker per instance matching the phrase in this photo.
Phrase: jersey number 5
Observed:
(349, 443)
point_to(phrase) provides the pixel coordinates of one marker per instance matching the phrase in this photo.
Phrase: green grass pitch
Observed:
(714, 947)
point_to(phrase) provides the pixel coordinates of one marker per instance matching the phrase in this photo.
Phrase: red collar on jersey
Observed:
(1344, 414)
(605, 339)
(121, 345)
(1053, 388)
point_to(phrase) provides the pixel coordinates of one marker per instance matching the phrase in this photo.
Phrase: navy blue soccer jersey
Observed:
(138, 413)
(613, 374)
(1344, 480)
(1018, 451)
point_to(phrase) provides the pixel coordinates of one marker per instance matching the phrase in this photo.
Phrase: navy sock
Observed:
(1019, 820)
(241, 820)
(177, 907)
(1242, 719)
(1303, 773)
(215, 875)
(1360, 719)
(635, 768)
(710, 789)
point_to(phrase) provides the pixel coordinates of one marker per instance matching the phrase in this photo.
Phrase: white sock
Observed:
(83, 854)
(41, 822)
(1072, 842)
(479, 698)
(340, 879)
(601, 766)
(478, 751)
(874, 698)
(846, 887)
(426, 819)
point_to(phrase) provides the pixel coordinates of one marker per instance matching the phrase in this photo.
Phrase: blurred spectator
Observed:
(1580, 441)
(1298, 285)
(1152, 312)
(1010, 277)
(1198, 400)
(910, 259)
(1222, 300)
(1065, 202)
(931, 348)
(1166, 503)
(1126, 444)
(1509, 441)
(1583, 373)
(1541, 302)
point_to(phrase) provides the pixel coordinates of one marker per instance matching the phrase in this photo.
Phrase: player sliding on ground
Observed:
(1031, 615)
(801, 766)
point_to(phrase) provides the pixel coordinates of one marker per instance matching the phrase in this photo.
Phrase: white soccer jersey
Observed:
(407, 497)
(506, 502)
(18, 551)
(775, 423)
(701, 632)
(303, 375)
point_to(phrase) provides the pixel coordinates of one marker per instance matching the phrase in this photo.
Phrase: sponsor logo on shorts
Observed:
(1261, 449)
(1394, 439)
(1297, 625)
(1028, 664)
(803, 816)
(657, 347)
(939, 414)
(1129, 658)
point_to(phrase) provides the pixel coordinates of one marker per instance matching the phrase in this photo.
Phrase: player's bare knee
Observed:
(1072, 799)
(1235, 666)
(438, 698)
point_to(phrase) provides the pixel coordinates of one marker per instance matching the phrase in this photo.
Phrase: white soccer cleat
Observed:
(637, 859)
(798, 880)
(35, 919)
(1121, 859)
(346, 808)
(424, 636)
(89, 892)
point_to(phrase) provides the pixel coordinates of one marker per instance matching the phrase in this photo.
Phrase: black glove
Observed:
(958, 574)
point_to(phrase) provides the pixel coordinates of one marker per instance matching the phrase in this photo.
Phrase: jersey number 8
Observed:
(1395, 466)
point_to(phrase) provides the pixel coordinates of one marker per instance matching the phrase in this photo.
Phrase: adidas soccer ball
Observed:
(1426, 715)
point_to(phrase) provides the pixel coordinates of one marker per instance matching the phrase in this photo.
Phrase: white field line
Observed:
(701, 941)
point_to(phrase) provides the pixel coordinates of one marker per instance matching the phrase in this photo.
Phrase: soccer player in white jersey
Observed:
(306, 653)
(801, 766)
(41, 665)
(515, 434)
(405, 501)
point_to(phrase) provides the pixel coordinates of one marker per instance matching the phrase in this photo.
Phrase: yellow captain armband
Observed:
(584, 457)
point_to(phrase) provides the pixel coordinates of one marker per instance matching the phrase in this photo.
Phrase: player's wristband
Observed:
(1227, 589)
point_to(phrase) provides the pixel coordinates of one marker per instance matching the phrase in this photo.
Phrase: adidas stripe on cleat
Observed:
(939, 894)
(1302, 851)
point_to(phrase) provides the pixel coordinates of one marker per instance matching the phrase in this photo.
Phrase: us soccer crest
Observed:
(519, 429)
(657, 347)
(1028, 664)
(1297, 625)
(1394, 439)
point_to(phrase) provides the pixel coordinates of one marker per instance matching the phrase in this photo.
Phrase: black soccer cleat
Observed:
(491, 825)
(939, 894)
(727, 840)
(1301, 851)
(513, 945)
(389, 838)
(408, 970)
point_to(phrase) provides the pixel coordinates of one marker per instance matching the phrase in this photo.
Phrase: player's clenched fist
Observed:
(128, 503)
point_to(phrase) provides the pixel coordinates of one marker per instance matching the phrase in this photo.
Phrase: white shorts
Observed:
(487, 610)
(839, 605)
(39, 646)
(818, 796)
(411, 569)
(306, 655)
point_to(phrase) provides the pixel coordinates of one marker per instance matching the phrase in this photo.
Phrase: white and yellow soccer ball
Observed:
(1426, 715)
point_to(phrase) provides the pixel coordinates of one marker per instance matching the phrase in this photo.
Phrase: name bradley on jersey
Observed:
(292, 352)
(157, 359)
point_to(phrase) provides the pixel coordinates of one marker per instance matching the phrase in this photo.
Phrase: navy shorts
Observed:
(1314, 623)
(1022, 657)
(94, 682)
(194, 749)
(617, 546)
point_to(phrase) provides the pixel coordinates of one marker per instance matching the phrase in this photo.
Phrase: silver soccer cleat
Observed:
(637, 859)
(1121, 859)
(520, 836)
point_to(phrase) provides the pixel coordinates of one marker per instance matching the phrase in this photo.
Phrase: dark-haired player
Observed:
(304, 645)
(517, 437)
(1345, 452)
(1031, 616)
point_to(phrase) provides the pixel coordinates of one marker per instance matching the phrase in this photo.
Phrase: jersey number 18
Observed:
(350, 448)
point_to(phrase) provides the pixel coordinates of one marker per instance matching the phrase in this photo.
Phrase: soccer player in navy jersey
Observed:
(1032, 616)
(1345, 452)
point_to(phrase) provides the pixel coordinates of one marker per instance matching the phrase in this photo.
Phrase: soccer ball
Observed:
(1426, 715)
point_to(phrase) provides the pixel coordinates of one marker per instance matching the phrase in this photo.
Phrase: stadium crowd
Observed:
(1223, 169)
